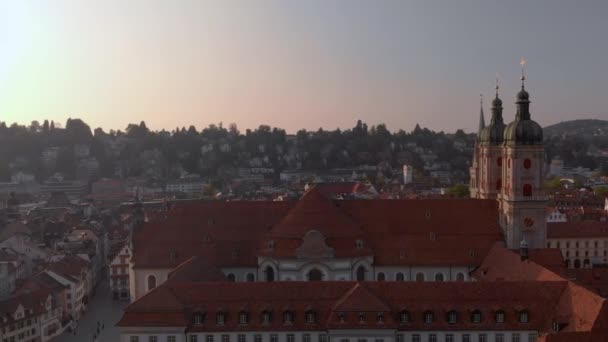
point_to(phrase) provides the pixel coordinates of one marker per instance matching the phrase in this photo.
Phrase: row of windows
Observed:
(452, 317)
(419, 277)
(481, 337)
(557, 244)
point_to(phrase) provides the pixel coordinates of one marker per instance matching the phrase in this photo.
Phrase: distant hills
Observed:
(583, 128)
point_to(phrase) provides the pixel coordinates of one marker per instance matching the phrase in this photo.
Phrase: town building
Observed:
(119, 272)
(583, 244)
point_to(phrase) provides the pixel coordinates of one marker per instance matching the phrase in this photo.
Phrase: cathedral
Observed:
(508, 165)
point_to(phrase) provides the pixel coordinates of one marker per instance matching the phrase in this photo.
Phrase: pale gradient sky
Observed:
(298, 64)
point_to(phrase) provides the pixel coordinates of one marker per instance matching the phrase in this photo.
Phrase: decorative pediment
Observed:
(314, 247)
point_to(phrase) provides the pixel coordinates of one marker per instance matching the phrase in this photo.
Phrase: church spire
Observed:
(523, 98)
(482, 121)
(496, 107)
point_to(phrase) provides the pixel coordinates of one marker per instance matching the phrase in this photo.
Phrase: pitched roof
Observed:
(577, 230)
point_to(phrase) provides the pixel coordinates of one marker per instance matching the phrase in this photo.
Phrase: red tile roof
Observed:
(337, 305)
(395, 232)
(582, 229)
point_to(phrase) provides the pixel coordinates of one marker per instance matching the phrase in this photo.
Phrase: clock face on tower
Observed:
(528, 222)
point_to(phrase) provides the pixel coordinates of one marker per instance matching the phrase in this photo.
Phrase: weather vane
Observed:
(496, 86)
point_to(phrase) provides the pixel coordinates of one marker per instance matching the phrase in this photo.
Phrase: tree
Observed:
(459, 190)
(601, 191)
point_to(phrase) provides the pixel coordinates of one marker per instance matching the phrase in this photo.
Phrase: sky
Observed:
(299, 64)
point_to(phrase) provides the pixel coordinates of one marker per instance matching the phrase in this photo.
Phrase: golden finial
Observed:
(496, 86)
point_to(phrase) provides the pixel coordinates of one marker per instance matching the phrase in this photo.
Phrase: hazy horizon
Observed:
(293, 64)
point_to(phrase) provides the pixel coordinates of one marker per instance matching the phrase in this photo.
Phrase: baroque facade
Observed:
(508, 166)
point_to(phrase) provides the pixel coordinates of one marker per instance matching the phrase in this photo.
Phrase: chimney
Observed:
(523, 250)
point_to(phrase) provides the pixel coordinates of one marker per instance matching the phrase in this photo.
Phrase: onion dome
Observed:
(493, 134)
(524, 130)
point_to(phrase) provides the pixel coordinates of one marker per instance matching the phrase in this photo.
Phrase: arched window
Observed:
(360, 273)
(250, 277)
(523, 316)
(220, 318)
(243, 317)
(198, 318)
(399, 277)
(452, 317)
(498, 184)
(288, 317)
(499, 316)
(499, 161)
(476, 316)
(404, 317)
(381, 276)
(231, 277)
(315, 275)
(439, 277)
(266, 317)
(527, 190)
(419, 276)
(586, 263)
(269, 273)
(460, 277)
(527, 164)
(429, 317)
(311, 316)
(151, 282)
(577, 263)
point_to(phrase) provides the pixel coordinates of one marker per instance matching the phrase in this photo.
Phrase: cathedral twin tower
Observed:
(508, 166)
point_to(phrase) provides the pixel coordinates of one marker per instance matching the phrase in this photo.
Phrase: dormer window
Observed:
(404, 317)
(288, 317)
(243, 317)
(476, 316)
(172, 255)
(380, 318)
(523, 316)
(341, 317)
(266, 317)
(220, 318)
(198, 318)
(311, 317)
(210, 221)
(270, 244)
(500, 316)
(359, 244)
(429, 317)
(427, 214)
(452, 317)
(361, 317)
(432, 236)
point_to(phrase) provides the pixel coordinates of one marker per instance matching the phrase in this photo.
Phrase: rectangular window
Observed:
(170, 338)
(432, 338)
(483, 338)
(466, 338)
(415, 338)
(361, 340)
(400, 338)
(241, 338)
(515, 337)
(449, 338)
(193, 338)
(379, 340)
(152, 339)
(322, 338)
(344, 340)
(532, 337)
(134, 339)
(257, 338)
(225, 338)
(500, 337)
(306, 338)
(291, 338)
(274, 338)
(209, 338)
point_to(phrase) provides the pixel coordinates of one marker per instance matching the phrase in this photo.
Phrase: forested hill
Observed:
(584, 127)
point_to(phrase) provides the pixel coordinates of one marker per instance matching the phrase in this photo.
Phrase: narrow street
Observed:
(103, 309)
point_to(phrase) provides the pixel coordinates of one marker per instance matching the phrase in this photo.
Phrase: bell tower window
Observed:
(527, 164)
(527, 190)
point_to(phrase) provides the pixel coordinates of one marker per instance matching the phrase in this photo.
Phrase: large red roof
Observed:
(338, 305)
(395, 232)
